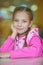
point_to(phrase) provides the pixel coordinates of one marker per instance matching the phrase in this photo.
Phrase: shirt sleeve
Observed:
(7, 45)
(33, 50)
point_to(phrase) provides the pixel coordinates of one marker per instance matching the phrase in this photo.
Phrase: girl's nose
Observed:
(20, 23)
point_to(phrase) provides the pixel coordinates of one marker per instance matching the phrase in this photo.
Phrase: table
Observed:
(21, 61)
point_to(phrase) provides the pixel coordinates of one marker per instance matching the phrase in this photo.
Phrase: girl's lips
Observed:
(19, 28)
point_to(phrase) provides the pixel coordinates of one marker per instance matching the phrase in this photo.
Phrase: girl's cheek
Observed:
(26, 24)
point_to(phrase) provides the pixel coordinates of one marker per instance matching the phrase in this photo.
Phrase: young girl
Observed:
(24, 41)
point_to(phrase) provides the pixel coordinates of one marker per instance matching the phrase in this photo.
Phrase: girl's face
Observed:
(21, 22)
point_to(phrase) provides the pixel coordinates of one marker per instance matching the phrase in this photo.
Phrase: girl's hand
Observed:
(14, 31)
(4, 55)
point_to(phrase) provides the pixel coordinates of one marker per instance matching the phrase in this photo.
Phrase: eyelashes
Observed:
(16, 20)
(24, 21)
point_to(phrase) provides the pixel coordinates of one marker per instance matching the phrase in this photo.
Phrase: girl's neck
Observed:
(22, 35)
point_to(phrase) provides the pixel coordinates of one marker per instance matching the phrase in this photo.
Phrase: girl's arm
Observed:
(34, 50)
(7, 45)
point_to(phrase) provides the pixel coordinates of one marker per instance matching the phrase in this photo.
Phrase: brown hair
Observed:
(26, 9)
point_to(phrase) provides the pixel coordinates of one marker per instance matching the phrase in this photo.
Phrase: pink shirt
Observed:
(16, 49)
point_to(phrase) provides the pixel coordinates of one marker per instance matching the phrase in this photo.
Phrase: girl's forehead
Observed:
(21, 13)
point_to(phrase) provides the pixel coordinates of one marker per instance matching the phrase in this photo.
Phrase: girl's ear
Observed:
(30, 24)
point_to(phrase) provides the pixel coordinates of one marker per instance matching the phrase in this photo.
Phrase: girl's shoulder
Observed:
(32, 33)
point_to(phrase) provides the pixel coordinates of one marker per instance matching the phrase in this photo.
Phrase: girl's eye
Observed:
(16, 20)
(24, 21)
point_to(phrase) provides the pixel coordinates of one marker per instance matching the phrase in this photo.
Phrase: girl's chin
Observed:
(20, 32)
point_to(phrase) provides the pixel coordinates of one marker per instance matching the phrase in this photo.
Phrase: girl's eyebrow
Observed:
(24, 19)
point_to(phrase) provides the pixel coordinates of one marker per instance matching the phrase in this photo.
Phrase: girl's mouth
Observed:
(19, 28)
